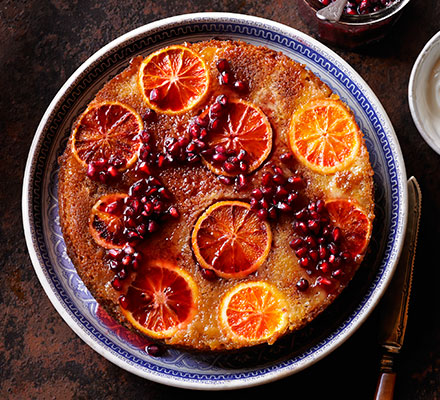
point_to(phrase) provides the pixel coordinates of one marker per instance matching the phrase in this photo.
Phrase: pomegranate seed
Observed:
(241, 181)
(286, 157)
(173, 212)
(116, 283)
(154, 350)
(103, 177)
(332, 248)
(295, 181)
(313, 225)
(346, 256)
(264, 203)
(301, 215)
(320, 206)
(302, 284)
(257, 194)
(164, 193)
(324, 281)
(128, 249)
(337, 273)
(226, 180)
(112, 208)
(220, 149)
(243, 166)
(194, 130)
(143, 167)
(229, 167)
(296, 243)
(292, 197)
(284, 207)
(305, 262)
(242, 154)
(155, 95)
(214, 124)
(266, 179)
(222, 100)
(337, 234)
(113, 172)
(201, 121)
(219, 157)
(122, 274)
(267, 191)
(324, 266)
(152, 226)
(273, 213)
(123, 302)
(208, 274)
(114, 253)
(263, 214)
(222, 65)
(225, 78)
(279, 179)
(311, 241)
(149, 115)
(322, 252)
(240, 86)
(301, 252)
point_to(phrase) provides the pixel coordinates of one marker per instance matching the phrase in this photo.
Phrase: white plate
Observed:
(424, 92)
(230, 370)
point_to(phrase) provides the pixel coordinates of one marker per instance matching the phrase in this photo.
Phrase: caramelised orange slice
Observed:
(253, 312)
(246, 128)
(161, 300)
(108, 131)
(354, 223)
(324, 135)
(105, 221)
(173, 80)
(231, 240)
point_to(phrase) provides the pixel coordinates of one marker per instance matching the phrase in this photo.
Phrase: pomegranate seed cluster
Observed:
(105, 171)
(190, 147)
(360, 7)
(227, 78)
(317, 245)
(276, 194)
(143, 210)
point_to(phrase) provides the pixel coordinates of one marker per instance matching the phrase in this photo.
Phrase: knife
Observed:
(394, 308)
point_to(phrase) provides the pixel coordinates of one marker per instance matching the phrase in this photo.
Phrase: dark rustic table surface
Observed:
(42, 44)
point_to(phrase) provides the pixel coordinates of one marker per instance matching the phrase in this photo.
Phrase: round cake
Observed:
(216, 195)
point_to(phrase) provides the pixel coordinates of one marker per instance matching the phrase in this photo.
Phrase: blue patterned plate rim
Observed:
(258, 29)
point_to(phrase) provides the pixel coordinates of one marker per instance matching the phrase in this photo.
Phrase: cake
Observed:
(216, 195)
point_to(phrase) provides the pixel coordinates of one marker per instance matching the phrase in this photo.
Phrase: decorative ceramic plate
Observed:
(205, 370)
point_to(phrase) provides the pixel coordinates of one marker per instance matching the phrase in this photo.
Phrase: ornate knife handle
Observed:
(387, 378)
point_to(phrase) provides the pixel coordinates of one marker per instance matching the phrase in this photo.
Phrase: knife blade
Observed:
(393, 315)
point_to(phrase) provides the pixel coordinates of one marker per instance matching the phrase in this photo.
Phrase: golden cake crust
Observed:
(278, 86)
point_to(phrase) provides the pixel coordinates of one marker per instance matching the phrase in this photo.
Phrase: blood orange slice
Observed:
(354, 223)
(246, 128)
(105, 222)
(108, 131)
(324, 136)
(173, 80)
(231, 240)
(253, 312)
(161, 300)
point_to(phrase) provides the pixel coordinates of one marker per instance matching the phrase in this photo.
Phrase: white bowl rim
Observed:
(414, 78)
(178, 382)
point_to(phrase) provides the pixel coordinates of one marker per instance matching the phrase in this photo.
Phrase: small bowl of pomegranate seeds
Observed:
(362, 21)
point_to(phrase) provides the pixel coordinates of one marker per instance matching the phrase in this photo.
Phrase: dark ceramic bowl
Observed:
(352, 31)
